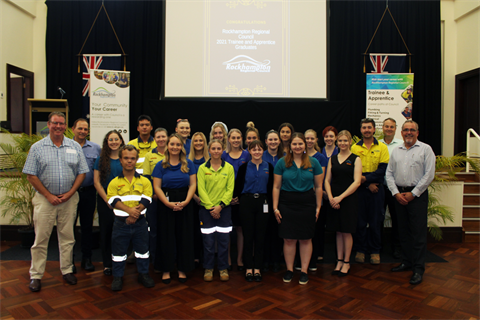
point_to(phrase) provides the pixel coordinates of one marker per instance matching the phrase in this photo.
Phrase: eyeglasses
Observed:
(409, 130)
(55, 123)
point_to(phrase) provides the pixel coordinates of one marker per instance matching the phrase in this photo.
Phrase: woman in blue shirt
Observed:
(106, 168)
(183, 129)
(253, 187)
(274, 148)
(175, 182)
(296, 203)
(236, 156)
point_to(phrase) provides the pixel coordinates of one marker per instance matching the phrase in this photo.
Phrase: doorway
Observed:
(19, 89)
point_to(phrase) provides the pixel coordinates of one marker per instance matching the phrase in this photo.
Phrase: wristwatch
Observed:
(222, 204)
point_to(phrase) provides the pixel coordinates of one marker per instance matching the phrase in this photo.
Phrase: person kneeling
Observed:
(130, 194)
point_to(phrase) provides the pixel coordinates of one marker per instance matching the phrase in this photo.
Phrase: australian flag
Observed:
(96, 61)
(388, 62)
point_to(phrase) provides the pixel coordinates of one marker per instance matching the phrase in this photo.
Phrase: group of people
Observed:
(174, 200)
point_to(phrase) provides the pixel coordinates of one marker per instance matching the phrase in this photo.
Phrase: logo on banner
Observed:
(244, 63)
(388, 63)
(104, 93)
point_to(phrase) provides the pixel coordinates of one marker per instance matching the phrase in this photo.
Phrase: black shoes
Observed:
(416, 278)
(343, 274)
(240, 268)
(257, 277)
(107, 271)
(249, 277)
(303, 278)
(336, 272)
(117, 284)
(146, 280)
(288, 276)
(70, 278)
(35, 285)
(87, 264)
(401, 267)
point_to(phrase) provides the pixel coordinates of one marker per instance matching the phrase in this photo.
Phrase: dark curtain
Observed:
(351, 25)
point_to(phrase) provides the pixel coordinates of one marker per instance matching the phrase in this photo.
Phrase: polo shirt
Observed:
(236, 163)
(296, 179)
(215, 186)
(256, 181)
(268, 157)
(151, 159)
(56, 167)
(321, 159)
(139, 191)
(172, 176)
(143, 148)
(374, 160)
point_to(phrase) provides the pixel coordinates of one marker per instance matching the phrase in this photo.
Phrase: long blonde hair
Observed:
(229, 146)
(224, 132)
(206, 155)
(182, 156)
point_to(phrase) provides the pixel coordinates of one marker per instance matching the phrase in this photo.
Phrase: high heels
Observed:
(344, 274)
(336, 272)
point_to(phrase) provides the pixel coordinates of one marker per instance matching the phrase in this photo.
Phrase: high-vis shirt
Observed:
(215, 186)
(374, 160)
(151, 159)
(139, 191)
(143, 148)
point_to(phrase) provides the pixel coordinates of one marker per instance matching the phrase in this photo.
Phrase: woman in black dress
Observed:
(344, 174)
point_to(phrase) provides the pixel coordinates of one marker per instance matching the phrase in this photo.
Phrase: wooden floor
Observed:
(449, 291)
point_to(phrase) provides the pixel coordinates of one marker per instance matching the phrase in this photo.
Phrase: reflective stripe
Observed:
(139, 171)
(208, 230)
(142, 256)
(112, 199)
(130, 198)
(141, 160)
(224, 229)
(216, 229)
(119, 258)
(121, 213)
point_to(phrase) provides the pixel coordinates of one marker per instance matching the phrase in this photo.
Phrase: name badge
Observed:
(265, 208)
(72, 151)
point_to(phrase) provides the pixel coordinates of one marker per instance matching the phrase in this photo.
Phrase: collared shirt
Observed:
(374, 160)
(139, 191)
(172, 176)
(236, 163)
(56, 167)
(256, 180)
(298, 179)
(91, 150)
(414, 167)
(215, 186)
(392, 145)
(151, 159)
(269, 158)
(321, 159)
(143, 148)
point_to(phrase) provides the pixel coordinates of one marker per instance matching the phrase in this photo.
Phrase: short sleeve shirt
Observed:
(115, 170)
(173, 177)
(56, 167)
(296, 179)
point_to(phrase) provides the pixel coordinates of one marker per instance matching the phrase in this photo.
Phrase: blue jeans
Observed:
(122, 234)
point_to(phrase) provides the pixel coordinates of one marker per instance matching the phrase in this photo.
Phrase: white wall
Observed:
(22, 43)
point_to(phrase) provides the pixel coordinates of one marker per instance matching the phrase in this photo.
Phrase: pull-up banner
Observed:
(109, 104)
(389, 96)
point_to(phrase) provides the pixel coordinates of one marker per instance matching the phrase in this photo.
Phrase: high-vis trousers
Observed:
(215, 230)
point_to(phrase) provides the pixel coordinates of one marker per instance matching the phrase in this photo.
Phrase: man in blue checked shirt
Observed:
(56, 168)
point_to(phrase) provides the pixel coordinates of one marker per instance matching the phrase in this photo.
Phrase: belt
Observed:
(125, 218)
(405, 189)
(82, 189)
(254, 195)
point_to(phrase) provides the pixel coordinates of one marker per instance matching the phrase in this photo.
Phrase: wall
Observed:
(22, 43)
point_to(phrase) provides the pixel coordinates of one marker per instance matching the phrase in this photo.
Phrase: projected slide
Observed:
(246, 48)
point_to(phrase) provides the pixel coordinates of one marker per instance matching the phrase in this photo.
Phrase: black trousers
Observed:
(86, 211)
(254, 224)
(106, 218)
(412, 226)
(175, 235)
(390, 203)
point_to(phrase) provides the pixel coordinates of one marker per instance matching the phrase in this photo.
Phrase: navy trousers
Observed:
(215, 231)
(371, 212)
